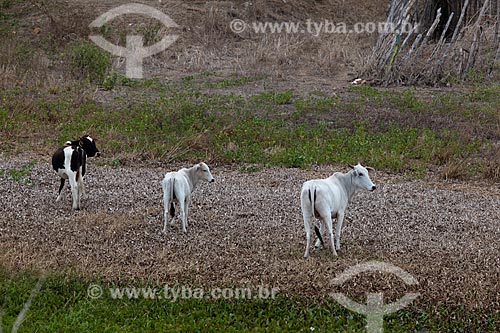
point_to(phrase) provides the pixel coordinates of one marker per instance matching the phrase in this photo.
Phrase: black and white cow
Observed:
(69, 163)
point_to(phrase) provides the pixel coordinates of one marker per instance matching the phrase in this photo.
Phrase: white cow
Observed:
(177, 187)
(328, 198)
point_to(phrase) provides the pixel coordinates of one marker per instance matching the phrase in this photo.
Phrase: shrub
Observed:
(88, 61)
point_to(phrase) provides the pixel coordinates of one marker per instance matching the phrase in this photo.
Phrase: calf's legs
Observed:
(62, 187)
(338, 229)
(166, 200)
(75, 192)
(184, 206)
(307, 228)
(328, 221)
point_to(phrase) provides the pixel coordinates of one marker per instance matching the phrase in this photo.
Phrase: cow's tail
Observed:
(172, 196)
(316, 230)
(312, 197)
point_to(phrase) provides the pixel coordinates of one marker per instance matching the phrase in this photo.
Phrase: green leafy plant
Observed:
(88, 61)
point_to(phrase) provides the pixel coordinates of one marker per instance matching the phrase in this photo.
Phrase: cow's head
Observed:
(88, 144)
(203, 172)
(361, 178)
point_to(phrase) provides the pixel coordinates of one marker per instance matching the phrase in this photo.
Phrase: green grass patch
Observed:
(179, 121)
(407, 100)
(273, 98)
(8, 21)
(231, 82)
(19, 175)
(63, 304)
(276, 128)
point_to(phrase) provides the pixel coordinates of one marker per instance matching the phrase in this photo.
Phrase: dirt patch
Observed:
(246, 229)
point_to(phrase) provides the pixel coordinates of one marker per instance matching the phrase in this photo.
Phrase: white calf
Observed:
(177, 187)
(328, 198)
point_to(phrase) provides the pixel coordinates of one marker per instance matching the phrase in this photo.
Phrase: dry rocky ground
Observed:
(246, 230)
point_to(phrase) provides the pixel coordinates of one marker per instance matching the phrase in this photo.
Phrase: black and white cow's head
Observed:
(88, 144)
(76, 152)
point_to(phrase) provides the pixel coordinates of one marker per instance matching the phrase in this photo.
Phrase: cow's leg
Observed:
(307, 228)
(174, 198)
(166, 202)
(317, 245)
(172, 212)
(338, 229)
(184, 213)
(80, 187)
(182, 208)
(62, 188)
(186, 209)
(74, 189)
(328, 220)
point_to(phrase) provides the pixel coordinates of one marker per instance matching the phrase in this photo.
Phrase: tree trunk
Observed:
(447, 7)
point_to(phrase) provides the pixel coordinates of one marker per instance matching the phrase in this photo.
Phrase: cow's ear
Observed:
(370, 169)
(350, 166)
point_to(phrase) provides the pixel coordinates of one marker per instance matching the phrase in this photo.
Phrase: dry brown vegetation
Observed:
(443, 43)
(206, 43)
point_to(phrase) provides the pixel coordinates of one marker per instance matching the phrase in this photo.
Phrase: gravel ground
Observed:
(246, 230)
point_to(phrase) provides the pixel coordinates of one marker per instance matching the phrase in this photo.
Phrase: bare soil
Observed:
(246, 230)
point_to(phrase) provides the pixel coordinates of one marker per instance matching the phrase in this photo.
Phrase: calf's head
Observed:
(361, 178)
(88, 144)
(203, 172)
